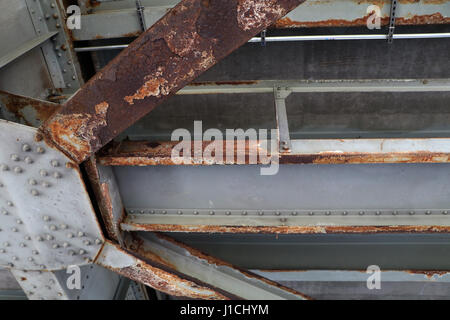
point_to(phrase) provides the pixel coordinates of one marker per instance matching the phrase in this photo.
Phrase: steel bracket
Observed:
(280, 95)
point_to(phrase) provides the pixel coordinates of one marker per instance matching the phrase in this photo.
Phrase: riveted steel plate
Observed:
(40, 285)
(46, 218)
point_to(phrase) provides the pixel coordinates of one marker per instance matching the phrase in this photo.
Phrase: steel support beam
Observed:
(118, 18)
(179, 270)
(188, 40)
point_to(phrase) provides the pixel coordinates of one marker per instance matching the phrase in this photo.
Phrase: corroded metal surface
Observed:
(187, 41)
(155, 275)
(31, 112)
(339, 151)
(108, 198)
(130, 226)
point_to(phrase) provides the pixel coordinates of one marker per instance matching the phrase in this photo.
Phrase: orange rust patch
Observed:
(435, 18)
(154, 87)
(428, 273)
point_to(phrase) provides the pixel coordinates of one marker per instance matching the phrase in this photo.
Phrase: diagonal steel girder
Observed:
(188, 40)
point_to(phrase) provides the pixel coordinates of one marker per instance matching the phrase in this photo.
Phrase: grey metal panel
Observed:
(325, 252)
(412, 186)
(7, 280)
(31, 68)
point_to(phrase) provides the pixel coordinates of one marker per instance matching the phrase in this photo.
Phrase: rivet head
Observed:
(228, 213)
(54, 163)
(15, 157)
(46, 218)
(211, 213)
(32, 182)
(98, 241)
(378, 213)
(15, 258)
(428, 212)
(52, 227)
(63, 227)
(87, 242)
(244, 213)
(55, 246)
(40, 150)
(81, 252)
(72, 253)
(4, 212)
(65, 244)
(14, 229)
(30, 259)
(277, 213)
(45, 184)
(23, 245)
(412, 213)
(34, 192)
(344, 213)
(18, 221)
(26, 147)
(81, 234)
(196, 212)
(445, 212)
(49, 237)
(6, 244)
(10, 204)
(43, 173)
(180, 212)
(35, 252)
(28, 160)
(57, 175)
(327, 213)
(88, 260)
(2, 250)
(70, 235)
(28, 238)
(311, 213)
(294, 213)
(39, 238)
(361, 213)
(17, 169)
(4, 167)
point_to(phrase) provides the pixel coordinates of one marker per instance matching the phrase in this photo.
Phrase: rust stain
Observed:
(102, 196)
(429, 273)
(435, 18)
(287, 229)
(142, 153)
(358, 158)
(77, 133)
(17, 105)
(152, 87)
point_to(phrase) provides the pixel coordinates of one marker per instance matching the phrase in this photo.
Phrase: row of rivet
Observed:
(279, 213)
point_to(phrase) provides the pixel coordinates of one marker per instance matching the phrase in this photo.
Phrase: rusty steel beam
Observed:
(317, 151)
(188, 40)
(158, 277)
(178, 270)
